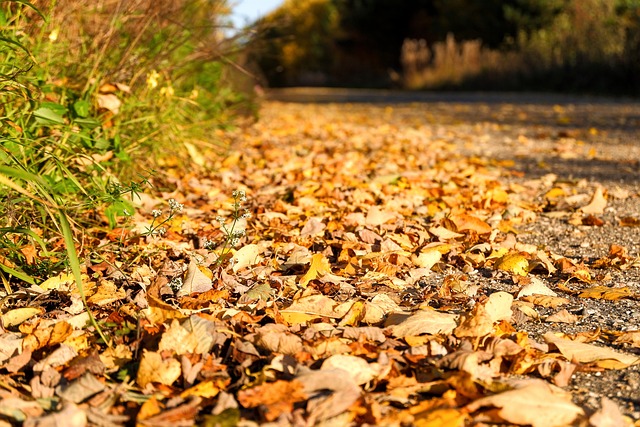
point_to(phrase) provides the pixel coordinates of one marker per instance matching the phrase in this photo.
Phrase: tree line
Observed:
(580, 45)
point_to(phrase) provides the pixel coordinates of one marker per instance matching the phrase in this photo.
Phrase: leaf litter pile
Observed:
(382, 278)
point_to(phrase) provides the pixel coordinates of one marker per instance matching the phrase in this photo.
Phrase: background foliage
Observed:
(578, 45)
(100, 99)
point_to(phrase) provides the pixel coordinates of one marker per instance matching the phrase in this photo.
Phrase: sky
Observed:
(246, 11)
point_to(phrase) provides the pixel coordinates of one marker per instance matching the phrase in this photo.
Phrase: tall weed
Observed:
(94, 96)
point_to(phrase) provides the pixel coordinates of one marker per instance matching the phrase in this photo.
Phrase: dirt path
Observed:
(542, 143)
(465, 260)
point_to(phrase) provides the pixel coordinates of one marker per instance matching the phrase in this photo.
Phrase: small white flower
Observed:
(156, 213)
(175, 206)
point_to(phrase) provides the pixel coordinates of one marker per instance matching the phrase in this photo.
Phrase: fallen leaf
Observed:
(427, 259)
(609, 415)
(18, 315)
(356, 367)
(597, 204)
(424, 321)
(513, 262)
(247, 256)
(331, 392)
(535, 287)
(154, 369)
(319, 267)
(275, 398)
(477, 323)
(313, 227)
(277, 339)
(606, 293)
(442, 417)
(498, 306)
(195, 281)
(376, 216)
(589, 353)
(311, 307)
(465, 222)
(562, 316)
(535, 403)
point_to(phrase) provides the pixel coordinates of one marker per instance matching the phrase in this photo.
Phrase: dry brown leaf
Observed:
(597, 204)
(309, 307)
(427, 258)
(377, 216)
(356, 367)
(444, 234)
(424, 321)
(535, 403)
(477, 323)
(313, 227)
(154, 369)
(498, 306)
(247, 256)
(449, 417)
(195, 280)
(589, 353)
(107, 293)
(277, 339)
(609, 415)
(275, 398)
(606, 293)
(344, 392)
(562, 316)
(465, 222)
(535, 287)
(546, 301)
(630, 337)
(18, 315)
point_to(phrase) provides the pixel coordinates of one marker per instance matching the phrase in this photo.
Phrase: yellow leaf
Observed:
(153, 369)
(319, 267)
(441, 417)
(355, 314)
(427, 259)
(554, 193)
(589, 353)
(18, 315)
(604, 292)
(55, 282)
(514, 263)
(208, 389)
(247, 256)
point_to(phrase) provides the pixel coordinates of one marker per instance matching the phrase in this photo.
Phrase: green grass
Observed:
(93, 99)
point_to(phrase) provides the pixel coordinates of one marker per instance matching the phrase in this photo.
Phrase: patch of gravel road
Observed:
(579, 142)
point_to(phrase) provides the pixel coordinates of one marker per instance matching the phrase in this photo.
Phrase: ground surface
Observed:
(428, 260)
(578, 140)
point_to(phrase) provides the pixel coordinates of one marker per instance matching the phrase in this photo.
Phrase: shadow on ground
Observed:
(551, 122)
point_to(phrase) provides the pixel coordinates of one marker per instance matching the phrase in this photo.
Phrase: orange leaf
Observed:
(465, 222)
(277, 398)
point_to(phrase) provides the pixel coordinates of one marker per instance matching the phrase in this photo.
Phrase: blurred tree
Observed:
(297, 43)
(359, 42)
